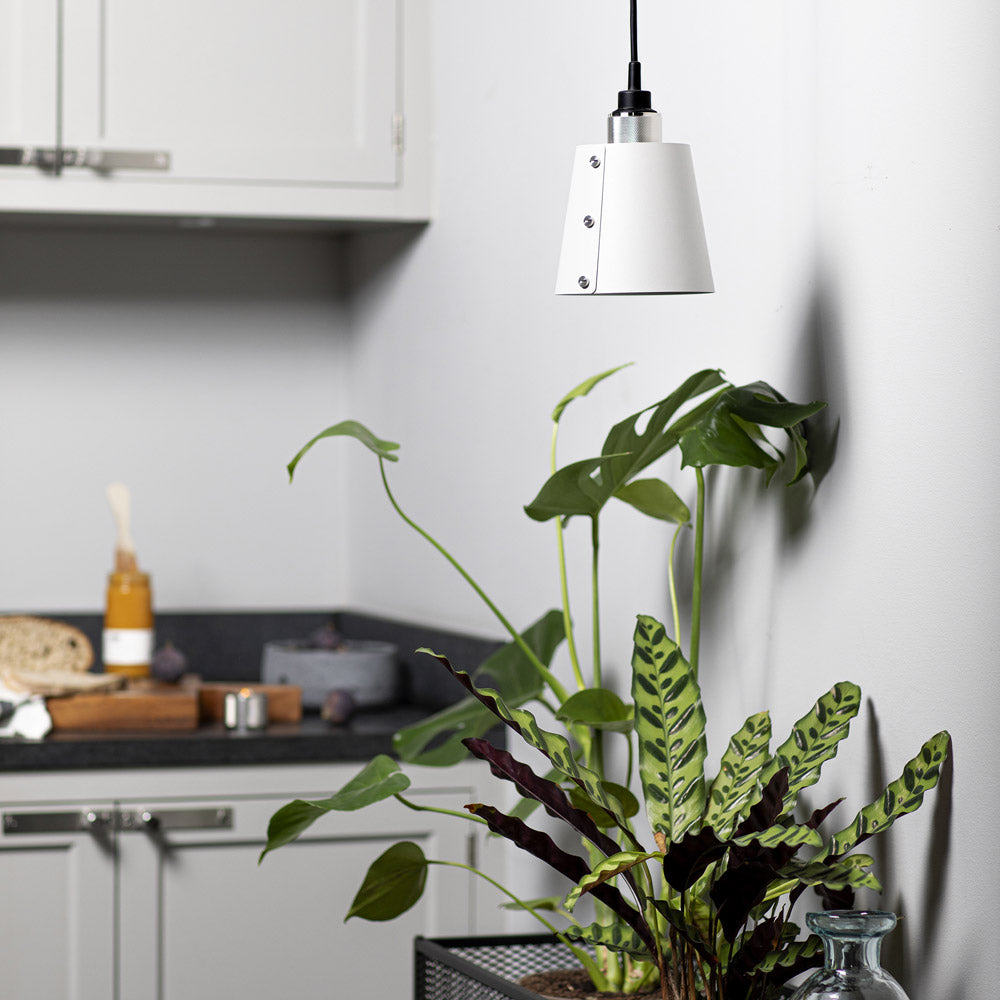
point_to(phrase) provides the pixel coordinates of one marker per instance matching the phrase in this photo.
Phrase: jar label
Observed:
(127, 646)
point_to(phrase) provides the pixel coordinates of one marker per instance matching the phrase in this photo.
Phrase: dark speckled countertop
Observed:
(226, 647)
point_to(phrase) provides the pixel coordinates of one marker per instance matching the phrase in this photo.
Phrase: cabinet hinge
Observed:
(397, 133)
(471, 850)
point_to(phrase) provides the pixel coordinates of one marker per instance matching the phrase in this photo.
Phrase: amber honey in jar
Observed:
(128, 624)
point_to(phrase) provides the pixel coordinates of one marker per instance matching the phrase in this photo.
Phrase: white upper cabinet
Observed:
(315, 110)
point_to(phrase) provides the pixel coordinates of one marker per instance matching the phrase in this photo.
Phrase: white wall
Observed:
(847, 157)
(191, 366)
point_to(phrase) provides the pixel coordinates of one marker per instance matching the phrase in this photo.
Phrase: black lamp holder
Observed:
(634, 100)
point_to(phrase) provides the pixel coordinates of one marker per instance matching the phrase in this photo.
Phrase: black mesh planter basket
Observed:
(485, 968)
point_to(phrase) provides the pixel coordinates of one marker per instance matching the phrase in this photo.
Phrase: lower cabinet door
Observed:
(57, 902)
(200, 919)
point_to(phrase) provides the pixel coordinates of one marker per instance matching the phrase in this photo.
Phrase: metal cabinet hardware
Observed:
(53, 159)
(210, 818)
(58, 822)
(124, 820)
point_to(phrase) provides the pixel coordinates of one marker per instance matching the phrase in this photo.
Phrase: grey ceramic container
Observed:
(366, 668)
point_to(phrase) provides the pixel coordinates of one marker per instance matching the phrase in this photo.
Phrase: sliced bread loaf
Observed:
(39, 644)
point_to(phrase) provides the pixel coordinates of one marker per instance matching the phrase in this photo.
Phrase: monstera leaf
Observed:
(670, 726)
(728, 432)
(585, 487)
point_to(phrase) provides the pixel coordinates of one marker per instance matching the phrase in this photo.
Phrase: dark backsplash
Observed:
(227, 646)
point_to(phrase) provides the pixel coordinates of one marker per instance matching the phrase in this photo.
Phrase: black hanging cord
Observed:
(635, 98)
(634, 31)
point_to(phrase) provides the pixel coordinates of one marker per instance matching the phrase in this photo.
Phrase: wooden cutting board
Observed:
(176, 708)
(284, 701)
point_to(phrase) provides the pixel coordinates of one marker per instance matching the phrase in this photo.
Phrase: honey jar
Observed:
(128, 624)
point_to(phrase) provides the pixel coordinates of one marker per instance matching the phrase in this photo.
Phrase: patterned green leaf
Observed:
(850, 872)
(670, 726)
(790, 836)
(551, 904)
(814, 740)
(792, 954)
(616, 936)
(608, 868)
(553, 745)
(737, 783)
(902, 796)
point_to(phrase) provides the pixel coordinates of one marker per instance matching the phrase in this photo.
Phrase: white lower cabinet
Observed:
(144, 885)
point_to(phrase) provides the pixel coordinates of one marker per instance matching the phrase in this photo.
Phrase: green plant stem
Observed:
(436, 809)
(557, 689)
(582, 957)
(699, 551)
(574, 657)
(595, 598)
(672, 582)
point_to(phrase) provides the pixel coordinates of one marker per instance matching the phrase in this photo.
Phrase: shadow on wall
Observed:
(821, 375)
(910, 956)
(818, 375)
(131, 263)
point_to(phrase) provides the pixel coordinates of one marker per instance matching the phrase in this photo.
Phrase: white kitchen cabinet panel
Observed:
(312, 111)
(57, 914)
(28, 72)
(170, 903)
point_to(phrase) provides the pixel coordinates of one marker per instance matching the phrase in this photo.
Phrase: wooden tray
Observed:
(129, 709)
(284, 701)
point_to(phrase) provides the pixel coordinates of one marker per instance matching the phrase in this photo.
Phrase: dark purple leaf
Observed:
(766, 812)
(543, 847)
(488, 701)
(737, 891)
(820, 814)
(764, 939)
(686, 859)
(548, 793)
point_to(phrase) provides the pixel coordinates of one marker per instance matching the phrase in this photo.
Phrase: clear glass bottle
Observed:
(128, 624)
(852, 969)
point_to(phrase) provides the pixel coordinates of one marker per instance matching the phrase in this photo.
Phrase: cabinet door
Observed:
(28, 73)
(252, 91)
(57, 914)
(201, 919)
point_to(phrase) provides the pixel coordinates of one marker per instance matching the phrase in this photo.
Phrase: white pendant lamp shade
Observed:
(633, 223)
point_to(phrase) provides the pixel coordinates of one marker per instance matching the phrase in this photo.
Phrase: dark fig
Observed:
(338, 707)
(169, 663)
(325, 637)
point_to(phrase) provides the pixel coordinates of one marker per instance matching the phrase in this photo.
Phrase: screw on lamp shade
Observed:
(633, 222)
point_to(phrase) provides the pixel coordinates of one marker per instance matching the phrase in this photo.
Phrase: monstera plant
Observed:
(692, 889)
